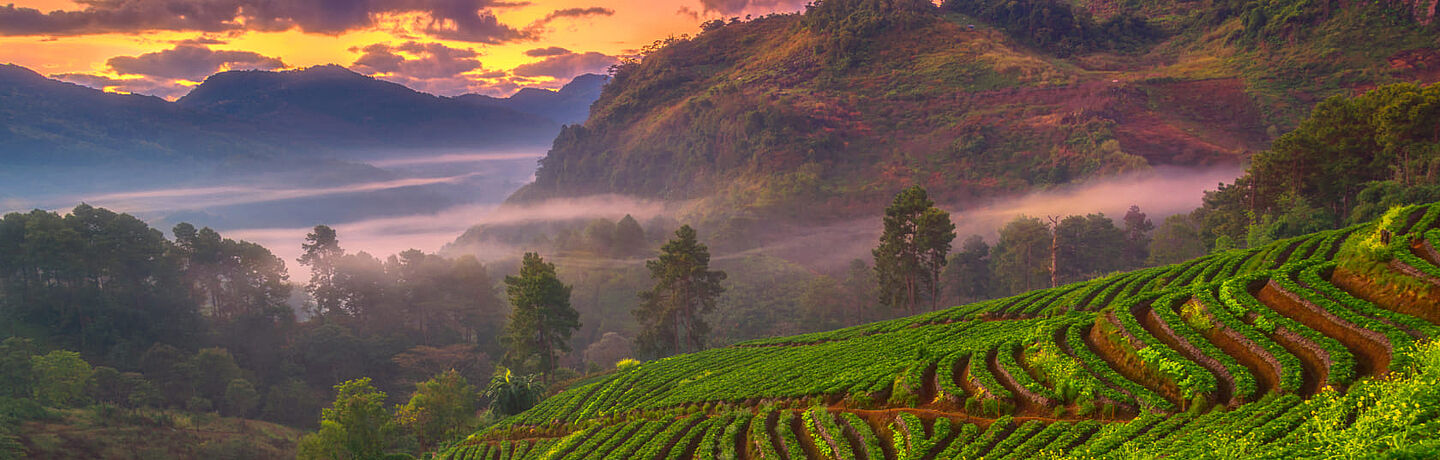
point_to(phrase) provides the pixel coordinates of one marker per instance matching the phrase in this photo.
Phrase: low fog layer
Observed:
(1159, 193)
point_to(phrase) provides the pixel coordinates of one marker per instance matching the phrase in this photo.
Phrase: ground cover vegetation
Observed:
(1271, 352)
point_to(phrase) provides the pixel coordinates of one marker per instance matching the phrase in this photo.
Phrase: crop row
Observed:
(1244, 380)
(1235, 294)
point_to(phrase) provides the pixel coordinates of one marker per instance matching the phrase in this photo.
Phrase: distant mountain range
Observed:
(323, 111)
(568, 106)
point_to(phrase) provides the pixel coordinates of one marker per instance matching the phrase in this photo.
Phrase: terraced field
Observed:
(1287, 350)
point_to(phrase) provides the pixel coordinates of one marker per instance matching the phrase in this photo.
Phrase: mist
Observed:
(432, 232)
(1160, 192)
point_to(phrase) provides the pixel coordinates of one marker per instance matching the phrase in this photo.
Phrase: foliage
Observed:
(240, 398)
(912, 251)
(60, 378)
(1021, 259)
(442, 408)
(356, 426)
(542, 319)
(671, 313)
(510, 394)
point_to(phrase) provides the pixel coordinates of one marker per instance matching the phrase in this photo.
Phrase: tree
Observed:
(1137, 236)
(441, 408)
(214, 369)
(912, 250)
(240, 398)
(356, 426)
(1089, 246)
(1021, 258)
(629, 237)
(968, 276)
(542, 319)
(510, 394)
(610, 349)
(670, 313)
(60, 378)
(322, 251)
(291, 402)
(860, 289)
(1177, 240)
(107, 386)
(17, 375)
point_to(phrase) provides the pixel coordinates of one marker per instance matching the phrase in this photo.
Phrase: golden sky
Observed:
(444, 47)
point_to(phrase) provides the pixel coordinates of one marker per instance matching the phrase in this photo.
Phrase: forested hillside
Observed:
(1315, 346)
(823, 113)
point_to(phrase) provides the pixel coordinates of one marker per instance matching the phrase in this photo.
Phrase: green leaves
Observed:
(912, 250)
(542, 319)
(671, 313)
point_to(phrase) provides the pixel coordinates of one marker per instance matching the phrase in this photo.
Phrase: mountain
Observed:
(44, 121)
(1318, 346)
(313, 112)
(829, 112)
(568, 106)
(335, 107)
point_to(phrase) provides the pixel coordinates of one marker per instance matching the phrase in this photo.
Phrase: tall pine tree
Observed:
(670, 314)
(912, 251)
(542, 321)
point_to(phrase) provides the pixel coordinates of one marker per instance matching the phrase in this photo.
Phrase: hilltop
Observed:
(323, 111)
(1309, 347)
(830, 112)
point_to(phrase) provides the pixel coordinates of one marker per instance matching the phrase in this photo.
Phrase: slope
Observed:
(309, 113)
(849, 102)
(1251, 344)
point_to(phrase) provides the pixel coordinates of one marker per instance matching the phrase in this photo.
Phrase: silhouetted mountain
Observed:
(568, 106)
(331, 105)
(44, 121)
(320, 111)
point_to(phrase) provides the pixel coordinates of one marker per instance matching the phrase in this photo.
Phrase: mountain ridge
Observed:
(316, 111)
(784, 116)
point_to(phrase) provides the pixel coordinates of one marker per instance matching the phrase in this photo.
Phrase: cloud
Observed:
(158, 87)
(199, 198)
(191, 62)
(465, 20)
(567, 66)
(577, 13)
(430, 67)
(547, 52)
(429, 232)
(754, 6)
(202, 41)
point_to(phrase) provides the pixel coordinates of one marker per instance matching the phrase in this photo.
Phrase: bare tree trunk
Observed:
(1054, 251)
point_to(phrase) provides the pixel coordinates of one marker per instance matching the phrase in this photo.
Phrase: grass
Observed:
(99, 432)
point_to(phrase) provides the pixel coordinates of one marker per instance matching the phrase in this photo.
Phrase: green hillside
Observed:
(831, 111)
(1316, 346)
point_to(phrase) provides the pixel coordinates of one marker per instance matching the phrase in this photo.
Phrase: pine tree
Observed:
(322, 252)
(913, 250)
(542, 321)
(670, 314)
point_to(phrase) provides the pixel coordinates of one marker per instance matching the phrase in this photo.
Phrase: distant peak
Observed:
(13, 71)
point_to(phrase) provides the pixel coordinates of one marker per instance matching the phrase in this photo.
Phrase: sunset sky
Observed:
(446, 47)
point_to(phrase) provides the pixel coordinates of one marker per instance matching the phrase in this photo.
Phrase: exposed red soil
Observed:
(1425, 304)
(1371, 349)
(775, 441)
(1204, 122)
(1260, 362)
(1419, 65)
(1026, 401)
(1125, 408)
(856, 442)
(1130, 368)
(1423, 249)
(1225, 393)
(1314, 361)
(802, 435)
